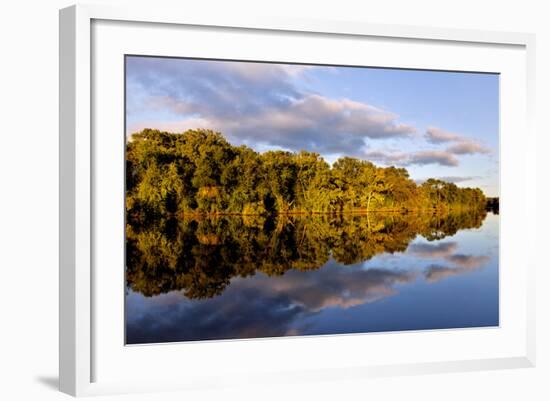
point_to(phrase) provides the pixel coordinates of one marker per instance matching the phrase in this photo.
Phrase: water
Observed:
(242, 277)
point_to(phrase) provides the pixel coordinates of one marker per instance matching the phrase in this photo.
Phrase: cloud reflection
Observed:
(461, 264)
(260, 306)
(439, 250)
(452, 263)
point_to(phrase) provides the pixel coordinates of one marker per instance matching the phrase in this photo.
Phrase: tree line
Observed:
(200, 172)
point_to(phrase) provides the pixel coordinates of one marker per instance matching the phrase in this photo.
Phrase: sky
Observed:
(435, 124)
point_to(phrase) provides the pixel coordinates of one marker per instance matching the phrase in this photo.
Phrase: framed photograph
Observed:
(270, 200)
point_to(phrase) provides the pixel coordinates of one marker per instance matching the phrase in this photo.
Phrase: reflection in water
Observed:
(269, 306)
(461, 263)
(242, 277)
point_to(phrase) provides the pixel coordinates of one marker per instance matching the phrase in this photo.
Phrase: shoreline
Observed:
(314, 213)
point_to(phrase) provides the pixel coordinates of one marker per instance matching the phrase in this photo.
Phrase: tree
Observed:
(199, 172)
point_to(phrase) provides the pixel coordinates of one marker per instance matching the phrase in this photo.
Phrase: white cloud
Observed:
(436, 135)
(467, 148)
(450, 178)
(255, 102)
(422, 157)
(260, 103)
(460, 144)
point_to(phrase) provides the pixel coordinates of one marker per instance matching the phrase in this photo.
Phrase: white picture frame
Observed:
(78, 163)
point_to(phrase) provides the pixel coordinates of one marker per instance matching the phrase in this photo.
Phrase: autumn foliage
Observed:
(200, 172)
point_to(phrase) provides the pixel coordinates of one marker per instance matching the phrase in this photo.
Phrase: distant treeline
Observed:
(199, 172)
(493, 205)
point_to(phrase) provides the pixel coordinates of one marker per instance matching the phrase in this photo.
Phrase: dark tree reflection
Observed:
(200, 255)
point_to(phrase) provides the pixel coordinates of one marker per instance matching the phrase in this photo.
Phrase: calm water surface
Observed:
(235, 277)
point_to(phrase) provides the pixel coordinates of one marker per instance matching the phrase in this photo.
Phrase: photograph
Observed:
(274, 199)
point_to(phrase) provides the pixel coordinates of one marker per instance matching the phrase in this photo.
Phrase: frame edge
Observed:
(530, 48)
(74, 201)
(67, 113)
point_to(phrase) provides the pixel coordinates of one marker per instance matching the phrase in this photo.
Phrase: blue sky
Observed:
(435, 124)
